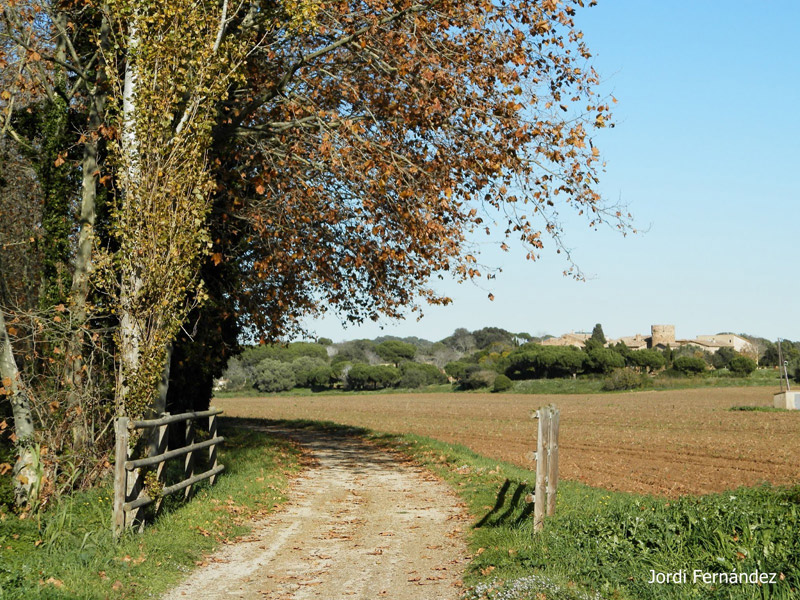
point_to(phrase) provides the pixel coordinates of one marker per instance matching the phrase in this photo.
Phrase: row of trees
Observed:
(412, 362)
(308, 365)
(536, 361)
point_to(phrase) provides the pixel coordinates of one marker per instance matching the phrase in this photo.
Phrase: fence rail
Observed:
(130, 492)
(546, 466)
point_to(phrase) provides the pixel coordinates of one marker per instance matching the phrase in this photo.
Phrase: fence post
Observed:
(163, 441)
(188, 465)
(552, 463)
(543, 415)
(120, 479)
(212, 451)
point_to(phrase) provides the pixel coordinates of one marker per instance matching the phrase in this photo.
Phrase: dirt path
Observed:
(360, 523)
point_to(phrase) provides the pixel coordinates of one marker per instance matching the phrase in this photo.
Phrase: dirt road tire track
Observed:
(360, 523)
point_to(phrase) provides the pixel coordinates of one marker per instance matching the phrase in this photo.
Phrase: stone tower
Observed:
(662, 334)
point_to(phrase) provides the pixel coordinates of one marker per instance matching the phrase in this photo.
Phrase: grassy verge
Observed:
(68, 552)
(604, 544)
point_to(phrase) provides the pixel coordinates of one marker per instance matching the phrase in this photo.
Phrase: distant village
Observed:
(660, 337)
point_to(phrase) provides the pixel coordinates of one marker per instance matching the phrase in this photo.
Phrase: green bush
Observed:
(478, 378)
(741, 365)
(273, 376)
(689, 365)
(624, 379)
(502, 384)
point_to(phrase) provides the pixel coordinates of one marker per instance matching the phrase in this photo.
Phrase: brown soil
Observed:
(360, 523)
(660, 442)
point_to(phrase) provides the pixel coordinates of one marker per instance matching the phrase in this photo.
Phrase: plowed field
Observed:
(658, 442)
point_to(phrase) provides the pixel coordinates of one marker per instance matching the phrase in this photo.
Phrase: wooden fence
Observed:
(546, 466)
(134, 490)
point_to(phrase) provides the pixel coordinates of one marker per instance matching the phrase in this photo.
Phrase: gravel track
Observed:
(360, 523)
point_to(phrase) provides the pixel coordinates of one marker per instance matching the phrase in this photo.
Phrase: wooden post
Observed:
(541, 469)
(135, 489)
(120, 479)
(161, 447)
(188, 464)
(212, 451)
(552, 462)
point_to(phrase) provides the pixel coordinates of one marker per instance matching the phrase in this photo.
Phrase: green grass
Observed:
(69, 552)
(603, 544)
(593, 384)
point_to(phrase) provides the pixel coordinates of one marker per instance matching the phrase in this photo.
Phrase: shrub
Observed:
(273, 376)
(413, 379)
(502, 383)
(624, 379)
(742, 365)
(689, 365)
(478, 378)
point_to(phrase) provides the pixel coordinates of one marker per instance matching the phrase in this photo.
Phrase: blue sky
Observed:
(705, 154)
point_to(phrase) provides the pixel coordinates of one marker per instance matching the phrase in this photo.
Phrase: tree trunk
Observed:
(130, 330)
(26, 476)
(79, 291)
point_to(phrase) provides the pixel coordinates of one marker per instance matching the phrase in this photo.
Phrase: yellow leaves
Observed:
(5, 95)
